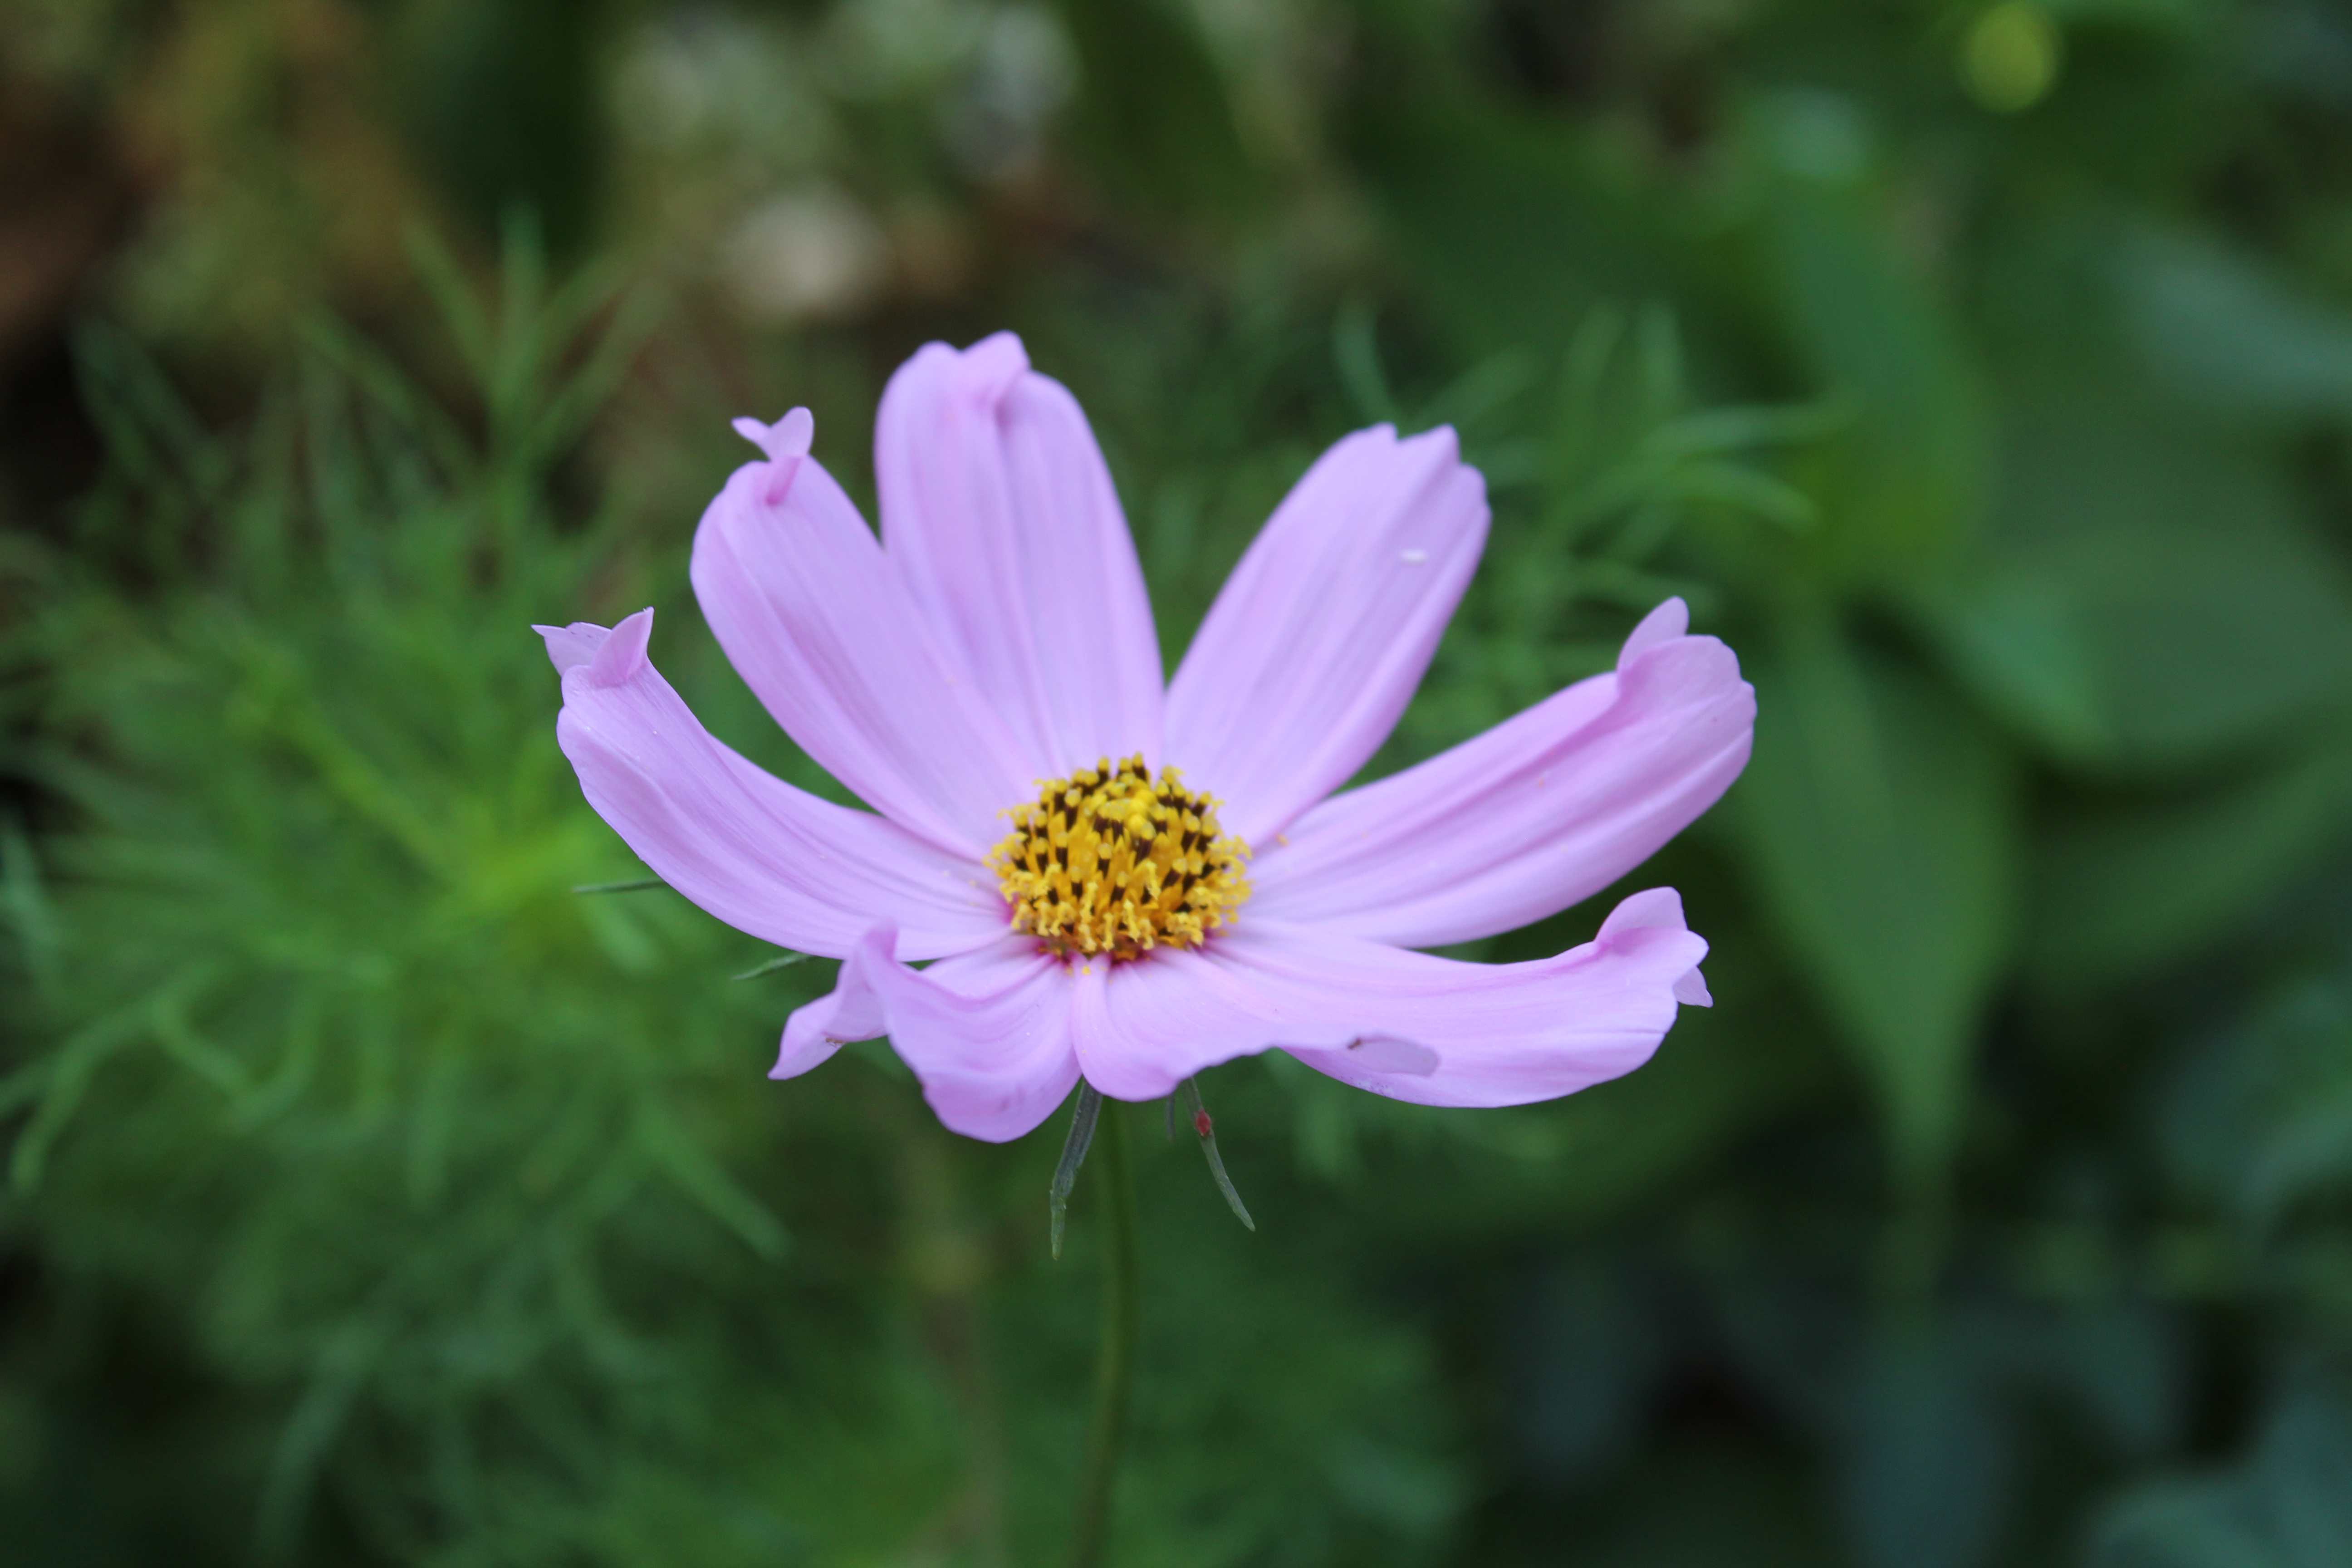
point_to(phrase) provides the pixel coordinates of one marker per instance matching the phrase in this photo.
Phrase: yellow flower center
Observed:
(1113, 860)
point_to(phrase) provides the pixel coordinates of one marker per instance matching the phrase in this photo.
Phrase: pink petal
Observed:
(1657, 908)
(573, 645)
(1319, 638)
(999, 515)
(1403, 1024)
(1546, 808)
(764, 857)
(987, 1033)
(797, 591)
(1663, 624)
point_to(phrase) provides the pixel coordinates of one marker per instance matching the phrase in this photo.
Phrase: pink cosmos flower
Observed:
(1128, 879)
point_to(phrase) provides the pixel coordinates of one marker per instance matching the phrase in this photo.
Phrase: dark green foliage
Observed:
(372, 1196)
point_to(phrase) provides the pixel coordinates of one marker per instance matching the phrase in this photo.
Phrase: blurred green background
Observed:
(1983, 374)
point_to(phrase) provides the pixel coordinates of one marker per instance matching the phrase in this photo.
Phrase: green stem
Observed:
(1115, 1364)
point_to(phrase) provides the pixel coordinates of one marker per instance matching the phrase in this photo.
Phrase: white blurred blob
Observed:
(664, 97)
(1023, 70)
(709, 86)
(808, 254)
(878, 48)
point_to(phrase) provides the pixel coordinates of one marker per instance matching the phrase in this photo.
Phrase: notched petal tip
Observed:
(989, 367)
(1661, 626)
(982, 376)
(622, 654)
(1422, 457)
(787, 439)
(1658, 908)
(568, 647)
(785, 444)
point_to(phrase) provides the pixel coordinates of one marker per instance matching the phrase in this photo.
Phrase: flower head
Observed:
(1132, 879)
(1113, 860)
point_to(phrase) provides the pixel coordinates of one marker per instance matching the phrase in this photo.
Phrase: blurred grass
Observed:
(1982, 374)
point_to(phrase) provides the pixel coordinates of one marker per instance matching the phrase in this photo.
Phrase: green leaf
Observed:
(1927, 1455)
(2182, 1524)
(770, 966)
(2304, 1479)
(1513, 230)
(696, 1172)
(2223, 331)
(1902, 487)
(1157, 117)
(2258, 1120)
(2123, 887)
(1879, 817)
(2153, 600)
(2290, 1506)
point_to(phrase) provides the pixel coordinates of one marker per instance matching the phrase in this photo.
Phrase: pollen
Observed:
(1115, 860)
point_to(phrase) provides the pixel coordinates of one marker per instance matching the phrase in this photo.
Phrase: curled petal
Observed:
(1399, 1022)
(999, 515)
(1546, 808)
(1315, 643)
(796, 589)
(765, 857)
(987, 1033)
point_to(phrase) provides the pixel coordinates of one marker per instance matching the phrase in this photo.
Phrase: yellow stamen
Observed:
(1113, 860)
